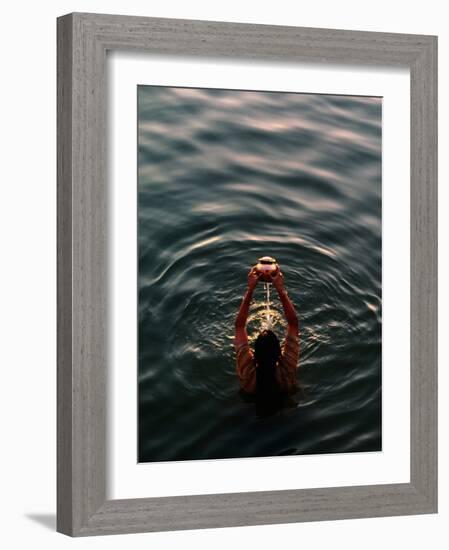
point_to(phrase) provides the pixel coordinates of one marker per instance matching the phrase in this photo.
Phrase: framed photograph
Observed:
(247, 274)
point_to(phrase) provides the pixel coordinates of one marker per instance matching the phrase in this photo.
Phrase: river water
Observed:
(225, 177)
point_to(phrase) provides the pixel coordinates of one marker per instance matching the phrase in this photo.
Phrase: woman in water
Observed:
(269, 372)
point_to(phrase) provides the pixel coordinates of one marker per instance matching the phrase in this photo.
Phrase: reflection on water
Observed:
(226, 177)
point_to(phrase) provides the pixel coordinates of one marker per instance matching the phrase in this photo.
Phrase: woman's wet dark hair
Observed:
(267, 351)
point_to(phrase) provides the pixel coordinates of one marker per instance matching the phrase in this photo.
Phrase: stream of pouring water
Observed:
(267, 306)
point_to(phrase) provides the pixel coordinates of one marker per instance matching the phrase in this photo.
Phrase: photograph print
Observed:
(259, 273)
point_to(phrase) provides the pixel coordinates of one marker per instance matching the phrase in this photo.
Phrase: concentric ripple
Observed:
(224, 178)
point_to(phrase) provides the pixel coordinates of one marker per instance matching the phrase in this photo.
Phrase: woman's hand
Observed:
(253, 278)
(278, 280)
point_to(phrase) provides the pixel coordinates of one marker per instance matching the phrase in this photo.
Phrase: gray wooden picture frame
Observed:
(83, 40)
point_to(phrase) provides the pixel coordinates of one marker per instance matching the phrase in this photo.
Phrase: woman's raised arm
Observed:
(287, 304)
(290, 350)
(241, 337)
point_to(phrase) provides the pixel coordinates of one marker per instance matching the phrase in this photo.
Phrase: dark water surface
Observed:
(224, 178)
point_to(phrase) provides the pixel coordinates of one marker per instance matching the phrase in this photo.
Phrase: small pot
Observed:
(267, 267)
